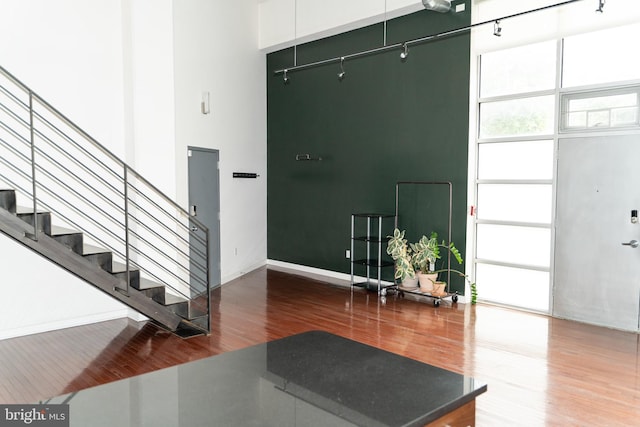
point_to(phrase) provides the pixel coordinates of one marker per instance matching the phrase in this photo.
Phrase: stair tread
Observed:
(61, 231)
(118, 267)
(91, 250)
(24, 210)
(170, 299)
(148, 284)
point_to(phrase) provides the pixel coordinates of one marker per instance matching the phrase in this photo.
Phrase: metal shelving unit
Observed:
(373, 240)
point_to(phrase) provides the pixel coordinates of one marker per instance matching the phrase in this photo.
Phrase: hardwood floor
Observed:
(540, 371)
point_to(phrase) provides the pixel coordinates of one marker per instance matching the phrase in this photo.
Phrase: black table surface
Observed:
(310, 379)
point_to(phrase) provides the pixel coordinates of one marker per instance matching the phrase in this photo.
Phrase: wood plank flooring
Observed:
(540, 371)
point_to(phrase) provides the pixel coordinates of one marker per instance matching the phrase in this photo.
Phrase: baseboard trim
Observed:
(226, 279)
(332, 277)
(63, 324)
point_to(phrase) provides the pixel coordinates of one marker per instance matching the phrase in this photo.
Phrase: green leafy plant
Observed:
(400, 252)
(422, 256)
(425, 253)
(474, 293)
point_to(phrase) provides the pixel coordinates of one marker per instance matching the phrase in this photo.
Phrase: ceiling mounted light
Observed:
(405, 52)
(442, 6)
(342, 73)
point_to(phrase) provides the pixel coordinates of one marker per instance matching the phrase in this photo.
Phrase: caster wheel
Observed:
(436, 302)
(383, 292)
(401, 294)
(454, 298)
(383, 300)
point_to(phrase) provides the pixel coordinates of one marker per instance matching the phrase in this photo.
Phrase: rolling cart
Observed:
(435, 298)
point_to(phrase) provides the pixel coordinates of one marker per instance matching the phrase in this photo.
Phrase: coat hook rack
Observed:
(245, 175)
(307, 157)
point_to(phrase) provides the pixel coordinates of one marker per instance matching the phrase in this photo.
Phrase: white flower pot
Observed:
(426, 281)
(409, 283)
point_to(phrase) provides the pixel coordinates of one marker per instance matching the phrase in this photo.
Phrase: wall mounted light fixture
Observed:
(204, 103)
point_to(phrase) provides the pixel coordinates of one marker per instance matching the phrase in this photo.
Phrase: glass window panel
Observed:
(577, 120)
(518, 70)
(513, 286)
(514, 244)
(601, 57)
(595, 110)
(516, 160)
(603, 102)
(624, 116)
(518, 117)
(515, 202)
(598, 119)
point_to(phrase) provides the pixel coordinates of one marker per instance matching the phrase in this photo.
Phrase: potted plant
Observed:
(401, 254)
(425, 253)
(415, 260)
(439, 287)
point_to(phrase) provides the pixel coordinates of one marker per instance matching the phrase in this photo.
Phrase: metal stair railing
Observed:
(58, 167)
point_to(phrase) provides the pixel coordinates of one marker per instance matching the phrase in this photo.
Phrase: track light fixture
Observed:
(442, 6)
(405, 52)
(497, 30)
(600, 6)
(342, 73)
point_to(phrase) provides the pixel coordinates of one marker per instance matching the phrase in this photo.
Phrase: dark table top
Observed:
(311, 379)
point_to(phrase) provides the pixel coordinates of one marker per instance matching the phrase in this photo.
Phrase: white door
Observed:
(596, 277)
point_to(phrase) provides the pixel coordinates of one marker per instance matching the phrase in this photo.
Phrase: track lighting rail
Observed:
(419, 40)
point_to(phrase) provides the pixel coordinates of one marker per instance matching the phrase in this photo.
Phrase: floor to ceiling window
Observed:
(515, 174)
(528, 97)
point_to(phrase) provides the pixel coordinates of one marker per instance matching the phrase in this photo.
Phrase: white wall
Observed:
(562, 21)
(131, 73)
(216, 50)
(70, 53)
(285, 22)
(36, 297)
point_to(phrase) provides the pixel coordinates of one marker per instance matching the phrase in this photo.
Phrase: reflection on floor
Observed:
(540, 371)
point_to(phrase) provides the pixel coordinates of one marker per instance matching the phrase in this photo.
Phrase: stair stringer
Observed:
(17, 229)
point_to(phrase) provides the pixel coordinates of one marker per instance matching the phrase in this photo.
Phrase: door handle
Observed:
(193, 211)
(633, 244)
(194, 228)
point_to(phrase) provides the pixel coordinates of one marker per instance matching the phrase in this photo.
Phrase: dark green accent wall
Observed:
(387, 121)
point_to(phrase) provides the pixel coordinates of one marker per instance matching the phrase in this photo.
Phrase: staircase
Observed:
(116, 231)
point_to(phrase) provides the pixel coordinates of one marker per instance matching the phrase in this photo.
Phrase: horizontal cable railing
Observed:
(55, 166)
